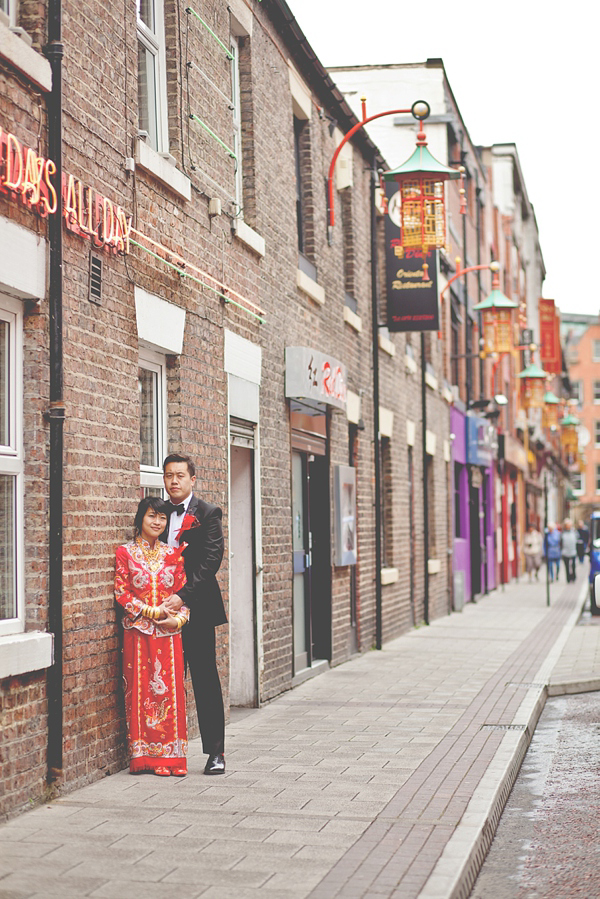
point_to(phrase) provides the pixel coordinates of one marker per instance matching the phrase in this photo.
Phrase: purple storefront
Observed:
(474, 557)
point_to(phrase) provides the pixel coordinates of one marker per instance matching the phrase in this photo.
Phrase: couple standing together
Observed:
(166, 584)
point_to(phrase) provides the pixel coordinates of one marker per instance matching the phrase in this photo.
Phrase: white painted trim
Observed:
(310, 287)
(386, 345)
(150, 475)
(24, 261)
(352, 407)
(301, 96)
(242, 358)
(352, 319)
(249, 237)
(431, 380)
(410, 364)
(159, 167)
(410, 432)
(386, 422)
(434, 566)
(241, 18)
(159, 324)
(430, 443)
(389, 576)
(29, 62)
(21, 653)
(446, 445)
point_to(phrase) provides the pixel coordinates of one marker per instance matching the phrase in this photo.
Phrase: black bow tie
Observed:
(179, 510)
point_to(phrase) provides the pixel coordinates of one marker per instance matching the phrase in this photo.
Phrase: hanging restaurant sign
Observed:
(30, 179)
(550, 352)
(312, 375)
(412, 299)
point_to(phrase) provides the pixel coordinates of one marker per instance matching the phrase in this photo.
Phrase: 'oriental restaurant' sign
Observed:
(550, 352)
(312, 375)
(30, 179)
(412, 300)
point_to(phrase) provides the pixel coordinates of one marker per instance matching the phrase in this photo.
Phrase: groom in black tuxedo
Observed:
(198, 524)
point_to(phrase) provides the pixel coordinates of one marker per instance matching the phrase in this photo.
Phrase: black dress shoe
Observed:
(215, 764)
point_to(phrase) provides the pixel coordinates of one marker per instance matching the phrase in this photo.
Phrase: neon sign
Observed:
(30, 179)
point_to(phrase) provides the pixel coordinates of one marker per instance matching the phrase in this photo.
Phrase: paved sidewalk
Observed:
(385, 776)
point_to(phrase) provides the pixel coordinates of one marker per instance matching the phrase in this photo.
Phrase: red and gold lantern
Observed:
(497, 320)
(532, 387)
(551, 410)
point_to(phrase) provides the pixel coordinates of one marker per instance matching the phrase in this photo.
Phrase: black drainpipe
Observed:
(56, 410)
(376, 434)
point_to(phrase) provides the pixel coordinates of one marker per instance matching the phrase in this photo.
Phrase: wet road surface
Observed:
(547, 845)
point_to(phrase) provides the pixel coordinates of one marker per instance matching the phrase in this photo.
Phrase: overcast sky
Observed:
(523, 72)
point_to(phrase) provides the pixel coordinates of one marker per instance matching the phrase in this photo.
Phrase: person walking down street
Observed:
(147, 572)
(583, 539)
(199, 524)
(552, 551)
(532, 547)
(568, 548)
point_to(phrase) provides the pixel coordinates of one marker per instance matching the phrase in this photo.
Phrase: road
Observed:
(547, 845)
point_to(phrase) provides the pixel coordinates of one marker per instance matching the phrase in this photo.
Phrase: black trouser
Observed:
(581, 551)
(200, 655)
(570, 568)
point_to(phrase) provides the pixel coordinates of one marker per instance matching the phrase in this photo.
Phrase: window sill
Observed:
(410, 365)
(249, 237)
(386, 345)
(431, 381)
(352, 319)
(310, 287)
(29, 62)
(389, 576)
(161, 169)
(434, 566)
(22, 653)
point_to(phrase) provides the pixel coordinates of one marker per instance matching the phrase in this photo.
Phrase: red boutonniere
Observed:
(189, 522)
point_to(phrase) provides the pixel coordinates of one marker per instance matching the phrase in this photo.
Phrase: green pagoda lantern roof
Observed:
(496, 300)
(569, 420)
(532, 371)
(551, 398)
(422, 163)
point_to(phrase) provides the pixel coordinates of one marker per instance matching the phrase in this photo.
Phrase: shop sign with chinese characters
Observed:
(30, 179)
(310, 374)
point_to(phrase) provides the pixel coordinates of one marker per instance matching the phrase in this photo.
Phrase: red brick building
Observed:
(190, 297)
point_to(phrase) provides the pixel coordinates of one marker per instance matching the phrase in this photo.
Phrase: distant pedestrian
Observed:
(533, 547)
(583, 538)
(552, 551)
(568, 548)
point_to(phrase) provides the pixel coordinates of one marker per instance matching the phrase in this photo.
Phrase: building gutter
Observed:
(56, 411)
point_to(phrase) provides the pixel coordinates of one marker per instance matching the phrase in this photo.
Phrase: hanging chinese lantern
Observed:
(497, 319)
(569, 438)
(532, 387)
(420, 198)
(551, 410)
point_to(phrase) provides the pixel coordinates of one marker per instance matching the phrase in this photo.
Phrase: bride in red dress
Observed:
(147, 572)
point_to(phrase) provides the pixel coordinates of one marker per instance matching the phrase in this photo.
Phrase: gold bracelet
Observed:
(181, 621)
(147, 612)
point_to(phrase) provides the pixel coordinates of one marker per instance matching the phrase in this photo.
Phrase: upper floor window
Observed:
(577, 391)
(236, 113)
(9, 8)
(153, 421)
(597, 391)
(11, 468)
(596, 350)
(597, 432)
(152, 81)
(578, 482)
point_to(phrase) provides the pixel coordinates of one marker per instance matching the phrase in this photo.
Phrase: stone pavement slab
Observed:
(383, 777)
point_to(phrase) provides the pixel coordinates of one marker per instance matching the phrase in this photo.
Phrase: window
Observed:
(597, 432)
(236, 114)
(431, 523)
(577, 391)
(153, 421)
(578, 483)
(597, 391)
(459, 491)
(152, 82)
(11, 468)
(9, 8)
(302, 158)
(387, 506)
(596, 350)
(597, 478)
(348, 250)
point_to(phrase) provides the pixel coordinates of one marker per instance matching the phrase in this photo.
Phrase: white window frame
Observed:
(11, 455)
(236, 116)
(595, 350)
(577, 391)
(597, 432)
(596, 389)
(154, 41)
(150, 475)
(9, 8)
(579, 491)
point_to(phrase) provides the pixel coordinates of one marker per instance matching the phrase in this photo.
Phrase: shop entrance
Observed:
(475, 516)
(310, 539)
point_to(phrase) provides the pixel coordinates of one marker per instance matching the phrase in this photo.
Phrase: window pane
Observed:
(149, 447)
(147, 93)
(4, 383)
(145, 9)
(8, 599)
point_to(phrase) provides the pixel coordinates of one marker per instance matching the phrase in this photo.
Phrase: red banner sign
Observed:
(550, 352)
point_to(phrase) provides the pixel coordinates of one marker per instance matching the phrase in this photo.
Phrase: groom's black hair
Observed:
(181, 457)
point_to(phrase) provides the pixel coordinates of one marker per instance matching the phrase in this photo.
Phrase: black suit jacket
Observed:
(202, 559)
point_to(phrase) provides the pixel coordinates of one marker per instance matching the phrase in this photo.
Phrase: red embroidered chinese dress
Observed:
(152, 656)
